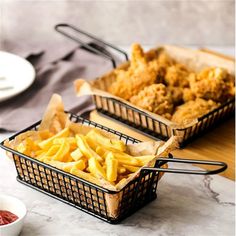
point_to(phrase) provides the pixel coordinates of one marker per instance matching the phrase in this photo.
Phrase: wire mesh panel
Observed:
(107, 205)
(145, 123)
(206, 122)
(138, 193)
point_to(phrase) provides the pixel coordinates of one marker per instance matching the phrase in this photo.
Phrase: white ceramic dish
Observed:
(17, 207)
(16, 73)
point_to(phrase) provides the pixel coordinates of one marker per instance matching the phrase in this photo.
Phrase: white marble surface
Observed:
(186, 205)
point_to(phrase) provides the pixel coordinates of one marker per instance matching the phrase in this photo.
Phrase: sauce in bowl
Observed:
(7, 217)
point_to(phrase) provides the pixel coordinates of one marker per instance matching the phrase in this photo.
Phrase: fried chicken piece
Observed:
(191, 110)
(151, 55)
(140, 74)
(176, 94)
(160, 56)
(213, 83)
(188, 95)
(177, 75)
(154, 98)
(165, 60)
(138, 59)
(160, 64)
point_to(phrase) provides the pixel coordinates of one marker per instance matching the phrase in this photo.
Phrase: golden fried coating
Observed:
(188, 95)
(191, 110)
(156, 82)
(177, 75)
(213, 83)
(140, 74)
(176, 94)
(160, 64)
(165, 60)
(154, 98)
(137, 57)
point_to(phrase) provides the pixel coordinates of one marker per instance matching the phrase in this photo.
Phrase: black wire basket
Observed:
(157, 129)
(133, 117)
(110, 206)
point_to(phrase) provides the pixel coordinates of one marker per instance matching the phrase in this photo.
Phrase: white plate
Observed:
(18, 74)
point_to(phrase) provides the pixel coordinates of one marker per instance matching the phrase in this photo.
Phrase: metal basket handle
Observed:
(97, 46)
(222, 166)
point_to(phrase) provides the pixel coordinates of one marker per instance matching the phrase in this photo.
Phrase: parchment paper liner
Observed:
(55, 119)
(194, 59)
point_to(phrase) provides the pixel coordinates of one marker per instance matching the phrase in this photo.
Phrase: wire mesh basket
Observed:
(157, 129)
(110, 206)
(133, 117)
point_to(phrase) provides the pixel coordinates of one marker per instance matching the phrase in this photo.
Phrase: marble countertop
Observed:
(186, 205)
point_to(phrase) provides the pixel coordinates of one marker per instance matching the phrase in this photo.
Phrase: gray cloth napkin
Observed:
(52, 77)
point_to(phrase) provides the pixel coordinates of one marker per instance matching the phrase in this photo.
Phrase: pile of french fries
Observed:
(89, 153)
(92, 156)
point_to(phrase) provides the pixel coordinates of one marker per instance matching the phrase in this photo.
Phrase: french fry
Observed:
(121, 169)
(76, 154)
(51, 151)
(67, 166)
(111, 167)
(121, 182)
(126, 159)
(110, 144)
(28, 147)
(91, 143)
(85, 149)
(143, 160)
(57, 164)
(68, 158)
(81, 174)
(70, 140)
(22, 148)
(101, 151)
(31, 144)
(63, 150)
(96, 169)
(131, 168)
(39, 152)
(80, 165)
(48, 142)
(45, 134)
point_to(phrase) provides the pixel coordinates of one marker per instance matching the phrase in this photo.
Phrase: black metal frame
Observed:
(90, 197)
(97, 46)
(136, 118)
(157, 129)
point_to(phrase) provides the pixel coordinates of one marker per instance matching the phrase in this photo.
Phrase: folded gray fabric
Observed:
(54, 77)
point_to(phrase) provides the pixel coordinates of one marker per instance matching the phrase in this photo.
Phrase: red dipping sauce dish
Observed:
(12, 214)
(6, 217)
